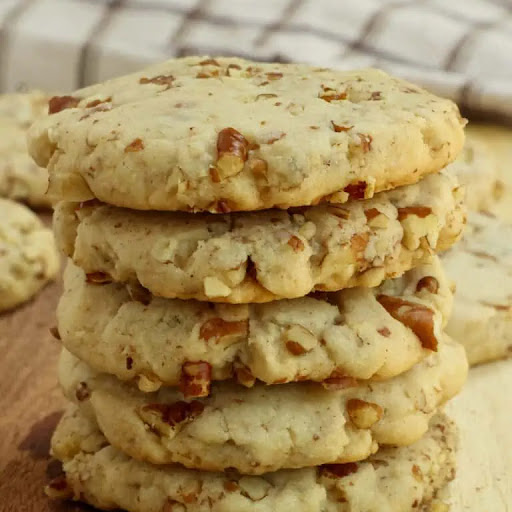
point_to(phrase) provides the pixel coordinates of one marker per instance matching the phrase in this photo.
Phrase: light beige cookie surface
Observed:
(266, 428)
(394, 480)
(476, 169)
(499, 140)
(263, 256)
(20, 178)
(28, 255)
(481, 266)
(361, 333)
(233, 135)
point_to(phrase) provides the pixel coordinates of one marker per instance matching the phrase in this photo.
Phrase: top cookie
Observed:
(227, 134)
(20, 178)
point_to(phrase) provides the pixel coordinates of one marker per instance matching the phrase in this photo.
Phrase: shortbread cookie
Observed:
(402, 479)
(28, 255)
(263, 256)
(476, 170)
(481, 266)
(266, 428)
(499, 140)
(20, 178)
(361, 333)
(232, 135)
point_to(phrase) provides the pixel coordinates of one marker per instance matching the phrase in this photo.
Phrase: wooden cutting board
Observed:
(31, 404)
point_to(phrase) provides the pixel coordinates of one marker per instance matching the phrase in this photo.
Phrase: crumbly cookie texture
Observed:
(227, 134)
(263, 256)
(393, 480)
(266, 428)
(360, 333)
(477, 171)
(20, 178)
(28, 255)
(481, 266)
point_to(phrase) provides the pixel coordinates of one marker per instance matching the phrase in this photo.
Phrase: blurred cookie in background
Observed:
(477, 170)
(28, 256)
(499, 141)
(481, 266)
(20, 178)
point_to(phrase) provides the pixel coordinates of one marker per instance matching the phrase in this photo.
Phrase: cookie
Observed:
(223, 135)
(20, 178)
(481, 266)
(263, 256)
(402, 479)
(499, 140)
(356, 333)
(28, 255)
(476, 170)
(266, 428)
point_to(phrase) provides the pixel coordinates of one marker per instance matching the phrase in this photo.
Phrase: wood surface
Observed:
(31, 404)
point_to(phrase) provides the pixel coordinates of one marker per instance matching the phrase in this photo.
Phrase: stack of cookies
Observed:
(253, 310)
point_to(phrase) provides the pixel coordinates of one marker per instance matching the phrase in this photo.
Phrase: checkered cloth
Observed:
(457, 48)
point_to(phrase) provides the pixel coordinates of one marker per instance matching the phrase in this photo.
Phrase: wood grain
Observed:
(31, 405)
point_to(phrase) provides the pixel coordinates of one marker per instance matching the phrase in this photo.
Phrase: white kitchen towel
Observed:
(457, 48)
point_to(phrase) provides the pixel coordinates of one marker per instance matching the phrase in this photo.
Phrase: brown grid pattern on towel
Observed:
(461, 49)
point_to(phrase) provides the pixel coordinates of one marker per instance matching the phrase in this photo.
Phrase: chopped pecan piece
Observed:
(209, 62)
(429, 283)
(243, 375)
(159, 80)
(296, 243)
(177, 412)
(214, 174)
(333, 96)
(338, 128)
(95, 103)
(338, 470)
(339, 211)
(416, 471)
(274, 75)
(196, 378)
(134, 146)
(216, 329)
(384, 331)
(231, 486)
(356, 190)
(358, 244)
(58, 103)
(59, 489)
(232, 152)
(336, 383)
(299, 340)
(419, 211)
(363, 414)
(258, 166)
(416, 317)
(371, 213)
